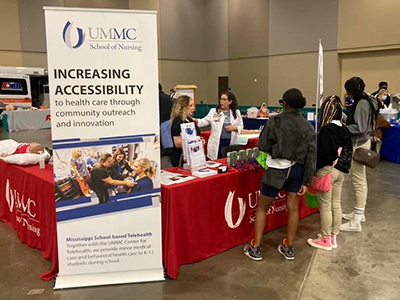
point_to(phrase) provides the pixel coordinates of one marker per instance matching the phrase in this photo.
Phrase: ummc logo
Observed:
(98, 34)
(252, 200)
(24, 209)
(9, 197)
(228, 210)
(14, 199)
(67, 36)
(112, 33)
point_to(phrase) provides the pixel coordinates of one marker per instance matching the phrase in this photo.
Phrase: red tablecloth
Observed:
(27, 204)
(253, 142)
(202, 217)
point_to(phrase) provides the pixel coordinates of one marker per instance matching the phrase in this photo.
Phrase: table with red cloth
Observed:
(200, 218)
(27, 204)
(206, 216)
(251, 143)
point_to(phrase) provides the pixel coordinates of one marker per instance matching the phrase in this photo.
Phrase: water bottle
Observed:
(228, 159)
(42, 163)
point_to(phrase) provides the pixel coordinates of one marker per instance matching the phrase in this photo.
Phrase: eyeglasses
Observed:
(281, 102)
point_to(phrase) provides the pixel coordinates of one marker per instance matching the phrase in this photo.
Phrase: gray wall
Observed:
(31, 16)
(216, 22)
(10, 32)
(296, 26)
(182, 25)
(248, 24)
(118, 4)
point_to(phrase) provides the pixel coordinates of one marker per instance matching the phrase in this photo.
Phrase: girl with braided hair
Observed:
(333, 135)
(360, 122)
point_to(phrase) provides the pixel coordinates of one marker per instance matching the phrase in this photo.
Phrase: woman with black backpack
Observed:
(360, 121)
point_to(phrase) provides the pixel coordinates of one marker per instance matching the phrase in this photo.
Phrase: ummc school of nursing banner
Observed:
(103, 77)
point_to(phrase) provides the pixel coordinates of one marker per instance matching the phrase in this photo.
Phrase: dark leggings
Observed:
(223, 143)
(103, 198)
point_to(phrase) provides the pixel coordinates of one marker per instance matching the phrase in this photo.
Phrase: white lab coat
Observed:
(217, 121)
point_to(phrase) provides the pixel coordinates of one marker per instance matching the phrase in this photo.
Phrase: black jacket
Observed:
(330, 138)
(165, 106)
(290, 136)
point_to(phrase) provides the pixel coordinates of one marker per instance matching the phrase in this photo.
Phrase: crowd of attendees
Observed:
(296, 154)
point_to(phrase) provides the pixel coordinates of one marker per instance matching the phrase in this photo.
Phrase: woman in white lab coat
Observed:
(226, 123)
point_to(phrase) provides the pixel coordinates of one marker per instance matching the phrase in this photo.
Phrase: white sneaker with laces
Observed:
(350, 216)
(351, 226)
(333, 241)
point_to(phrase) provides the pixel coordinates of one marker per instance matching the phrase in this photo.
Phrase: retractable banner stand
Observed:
(104, 111)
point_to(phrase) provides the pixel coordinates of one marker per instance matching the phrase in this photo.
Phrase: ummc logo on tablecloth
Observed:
(278, 206)
(25, 209)
(9, 197)
(228, 210)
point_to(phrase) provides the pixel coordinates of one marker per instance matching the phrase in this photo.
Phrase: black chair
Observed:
(230, 148)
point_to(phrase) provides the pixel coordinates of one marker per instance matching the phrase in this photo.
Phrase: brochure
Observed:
(193, 151)
(168, 178)
(197, 159)
(204, 173)
(212, 164)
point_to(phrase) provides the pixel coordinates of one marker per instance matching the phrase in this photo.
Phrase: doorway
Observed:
(223, 85)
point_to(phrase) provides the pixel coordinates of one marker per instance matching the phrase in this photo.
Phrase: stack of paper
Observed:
(168, 178)
(212, 164)
(205, 173)
(244, 138)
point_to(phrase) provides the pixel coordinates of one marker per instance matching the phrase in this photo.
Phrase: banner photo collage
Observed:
(103, 75)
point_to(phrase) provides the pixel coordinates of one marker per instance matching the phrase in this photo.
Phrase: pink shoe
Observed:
(333, 241)
(321, 243)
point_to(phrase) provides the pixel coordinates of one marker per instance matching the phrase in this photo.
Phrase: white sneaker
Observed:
(351, 215)
(333, 241)
(351, 226)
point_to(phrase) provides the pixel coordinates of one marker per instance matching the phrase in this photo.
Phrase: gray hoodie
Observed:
(362, 128)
